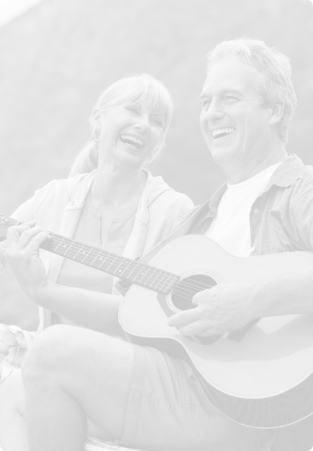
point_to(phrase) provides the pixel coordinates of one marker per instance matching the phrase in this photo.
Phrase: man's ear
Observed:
(277, 110)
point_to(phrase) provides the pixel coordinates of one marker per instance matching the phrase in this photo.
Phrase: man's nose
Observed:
(214, 111)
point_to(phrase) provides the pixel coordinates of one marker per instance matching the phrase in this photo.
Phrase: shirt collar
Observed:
(290, 169)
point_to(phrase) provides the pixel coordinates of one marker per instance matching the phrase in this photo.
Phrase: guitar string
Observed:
(112, 258)
(183, 288)
(195, 286)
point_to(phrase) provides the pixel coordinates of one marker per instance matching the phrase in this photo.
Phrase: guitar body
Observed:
(261, 377)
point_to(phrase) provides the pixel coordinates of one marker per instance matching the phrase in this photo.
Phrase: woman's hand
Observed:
(220, 309)
(22, 246)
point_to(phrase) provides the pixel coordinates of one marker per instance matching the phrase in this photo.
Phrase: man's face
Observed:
(234, 120)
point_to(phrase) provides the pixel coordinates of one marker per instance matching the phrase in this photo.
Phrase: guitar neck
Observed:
(116, 265)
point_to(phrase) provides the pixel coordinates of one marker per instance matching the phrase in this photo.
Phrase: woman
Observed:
(110, 201)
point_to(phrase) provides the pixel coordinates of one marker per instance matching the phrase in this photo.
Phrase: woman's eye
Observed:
(133, 109)
(158, 122)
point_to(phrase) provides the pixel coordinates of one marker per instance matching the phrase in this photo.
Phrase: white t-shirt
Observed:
(230, 227)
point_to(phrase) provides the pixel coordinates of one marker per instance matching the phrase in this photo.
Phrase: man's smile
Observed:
(222, 132)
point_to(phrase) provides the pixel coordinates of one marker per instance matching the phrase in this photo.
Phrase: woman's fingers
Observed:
(33, 238)
(14, 233)
(21, 236)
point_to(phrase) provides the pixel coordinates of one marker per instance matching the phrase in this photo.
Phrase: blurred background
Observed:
(56, 56)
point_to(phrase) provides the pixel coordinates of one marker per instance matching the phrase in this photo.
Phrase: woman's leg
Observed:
(13, 434)
(71, 374)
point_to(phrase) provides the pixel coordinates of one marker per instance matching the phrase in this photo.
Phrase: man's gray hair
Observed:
(274, 84)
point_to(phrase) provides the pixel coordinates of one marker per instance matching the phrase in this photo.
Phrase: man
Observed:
(139, 396)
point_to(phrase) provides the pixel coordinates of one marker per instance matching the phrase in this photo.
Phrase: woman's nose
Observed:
(143, 123)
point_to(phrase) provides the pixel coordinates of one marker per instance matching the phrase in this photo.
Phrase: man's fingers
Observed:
(199, 327)
(205, 296)
(184, 318)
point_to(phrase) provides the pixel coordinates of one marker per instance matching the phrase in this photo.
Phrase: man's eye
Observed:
(231, 98)
(206, 104)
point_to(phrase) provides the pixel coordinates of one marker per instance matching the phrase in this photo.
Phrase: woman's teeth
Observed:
(132, 141)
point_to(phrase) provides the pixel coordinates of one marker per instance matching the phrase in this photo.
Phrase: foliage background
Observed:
(57, 57)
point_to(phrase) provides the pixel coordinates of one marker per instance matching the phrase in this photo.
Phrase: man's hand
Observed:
(218, 310)
(22, 246)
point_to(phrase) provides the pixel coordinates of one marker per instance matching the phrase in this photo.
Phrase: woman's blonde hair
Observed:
(134, 88)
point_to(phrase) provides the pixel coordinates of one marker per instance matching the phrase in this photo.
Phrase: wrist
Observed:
(45, 294)
(263, 300)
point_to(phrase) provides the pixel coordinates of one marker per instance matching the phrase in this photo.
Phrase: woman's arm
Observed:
(90, 309)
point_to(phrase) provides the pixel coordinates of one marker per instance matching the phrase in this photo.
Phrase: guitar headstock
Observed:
(5, 223)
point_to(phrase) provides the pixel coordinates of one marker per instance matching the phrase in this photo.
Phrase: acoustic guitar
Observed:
(259, 376)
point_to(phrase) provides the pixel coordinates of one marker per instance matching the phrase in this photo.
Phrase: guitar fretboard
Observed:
(116, 265)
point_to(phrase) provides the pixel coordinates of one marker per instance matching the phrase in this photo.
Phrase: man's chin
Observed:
(222, 156)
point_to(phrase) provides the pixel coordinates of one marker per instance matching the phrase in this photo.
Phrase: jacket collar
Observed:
(290, 170)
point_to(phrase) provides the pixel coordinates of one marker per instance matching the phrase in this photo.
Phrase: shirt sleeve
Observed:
(2, 258)
(302, 216)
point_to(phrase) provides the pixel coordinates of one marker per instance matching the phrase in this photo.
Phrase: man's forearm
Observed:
(288, 294)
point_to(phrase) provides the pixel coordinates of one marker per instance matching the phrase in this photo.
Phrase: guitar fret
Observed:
(80, 255)
(159, 280)
(109, 255)
(136, 272)
(124, 268)
(68, 249)
(59, 244)
(96, 258)
(169, 282)
(118, 270)
(144, 273)
(61, 247)
(114, 264)
(86, 256)
(102, 259)
(156, 282)
(130, 275)
(100, 256)
(148, 281)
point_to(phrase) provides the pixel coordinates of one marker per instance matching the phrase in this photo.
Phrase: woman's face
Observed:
(130, 133)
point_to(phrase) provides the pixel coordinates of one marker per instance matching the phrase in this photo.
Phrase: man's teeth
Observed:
(132, 140)
(220, 132)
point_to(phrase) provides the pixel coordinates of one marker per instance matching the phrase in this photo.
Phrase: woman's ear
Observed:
(95, 119)
(277, 111)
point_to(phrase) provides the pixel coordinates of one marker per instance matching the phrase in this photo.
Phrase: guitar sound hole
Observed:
(185, 290)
